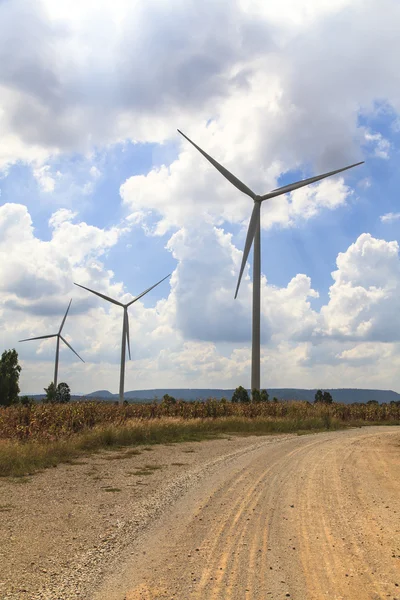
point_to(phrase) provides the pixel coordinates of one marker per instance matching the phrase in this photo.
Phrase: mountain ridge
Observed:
(341, 395)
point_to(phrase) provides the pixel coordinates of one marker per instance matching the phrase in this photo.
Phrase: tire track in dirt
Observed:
(229, 538)
(266, 483)
(226, 523)
(344, 532)
(316, 517)
(316, 579)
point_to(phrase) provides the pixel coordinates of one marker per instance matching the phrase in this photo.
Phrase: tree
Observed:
(259, 395)
(50, 393)
(275, 399)
(319, 396)
(168, 400)
(324, 397)
(9, 377)
(63, 393)
(240, 395)
(26, 401)
(372, 402)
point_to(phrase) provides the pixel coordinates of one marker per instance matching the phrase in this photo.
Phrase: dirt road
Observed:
(308, 518)
(303, 517)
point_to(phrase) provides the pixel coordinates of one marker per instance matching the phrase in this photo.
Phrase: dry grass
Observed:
(24, 458)
(53, 422)
(142, 472)
(43, 436)
(123, 455)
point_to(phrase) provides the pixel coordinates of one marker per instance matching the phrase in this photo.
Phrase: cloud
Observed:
(382, 146)
(365, 183)
(61, 78)
(196, 332)
(94, 172)
(389, 217)
(268, 78)
(272, 95)
(42, 175)
(365, 354)
(191, 331)
(32, 269)
(364, 299)
(207, 196)
(203, 287)
(63, 215)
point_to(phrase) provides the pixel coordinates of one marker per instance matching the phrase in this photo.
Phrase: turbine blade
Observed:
(40, 337)
(148, 290)
(255, 215)
(234, 180)
(65, 316)
(101, 295)
(127, 333)
(71, 348)
(294, 186)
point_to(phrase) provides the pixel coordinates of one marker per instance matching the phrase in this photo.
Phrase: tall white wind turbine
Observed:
(253, 233)
(125, 328)
(59, 337)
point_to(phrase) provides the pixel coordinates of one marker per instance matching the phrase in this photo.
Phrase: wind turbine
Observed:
(253, 233)
(125, 328)
(59, 337)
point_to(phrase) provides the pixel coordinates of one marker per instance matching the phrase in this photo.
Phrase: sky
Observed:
(98, 188)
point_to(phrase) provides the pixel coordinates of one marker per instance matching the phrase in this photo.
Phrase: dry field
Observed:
(281, 516)
(32, 438)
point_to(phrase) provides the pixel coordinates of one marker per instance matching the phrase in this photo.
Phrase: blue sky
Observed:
(98, 187)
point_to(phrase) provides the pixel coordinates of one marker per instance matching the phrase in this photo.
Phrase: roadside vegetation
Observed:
(36, 436)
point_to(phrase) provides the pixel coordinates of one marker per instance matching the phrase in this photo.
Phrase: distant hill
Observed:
(345, 395)
(102, 394)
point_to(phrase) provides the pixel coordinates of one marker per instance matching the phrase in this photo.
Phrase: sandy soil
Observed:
(308, 518)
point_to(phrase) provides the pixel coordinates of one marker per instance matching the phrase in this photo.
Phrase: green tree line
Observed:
(9, 383)
(9, 388)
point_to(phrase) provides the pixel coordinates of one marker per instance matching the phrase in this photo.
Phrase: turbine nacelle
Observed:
(59, 337)
(125, 306)
(255, 216)
(125, 327)
(253, 234)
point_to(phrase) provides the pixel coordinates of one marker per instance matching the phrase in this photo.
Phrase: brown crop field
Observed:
(43, 435)
(50, 422)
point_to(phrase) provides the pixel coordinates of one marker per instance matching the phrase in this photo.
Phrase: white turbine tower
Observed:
(125, 328)
(59, 337)
(253, 233)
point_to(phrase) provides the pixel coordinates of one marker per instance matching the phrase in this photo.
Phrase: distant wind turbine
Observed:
(125, 328)
(58, 336)
(253, 233)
